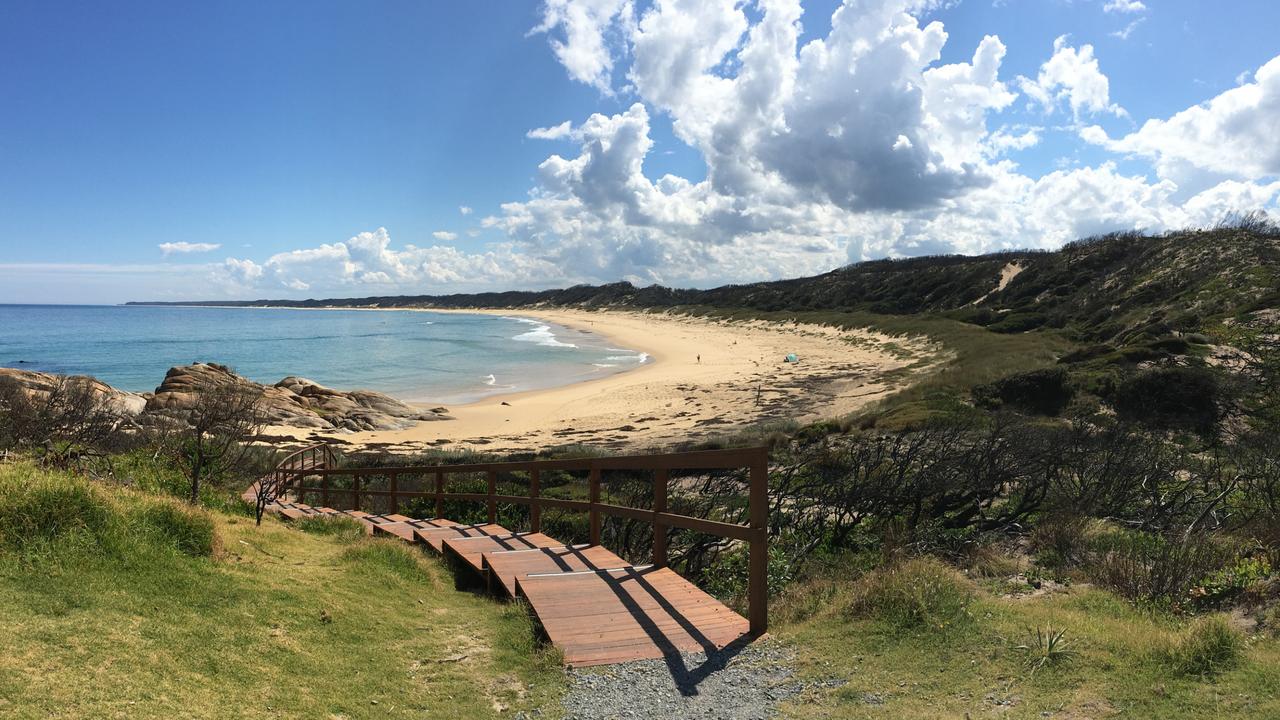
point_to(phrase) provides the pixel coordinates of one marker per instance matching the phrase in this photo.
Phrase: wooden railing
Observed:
(754, 533)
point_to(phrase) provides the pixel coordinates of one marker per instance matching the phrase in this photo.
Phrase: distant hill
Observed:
(1117, 288)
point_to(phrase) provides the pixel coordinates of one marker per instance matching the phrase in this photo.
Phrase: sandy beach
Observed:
(705, 378)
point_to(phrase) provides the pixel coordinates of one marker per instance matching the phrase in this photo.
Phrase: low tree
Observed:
(221, 419)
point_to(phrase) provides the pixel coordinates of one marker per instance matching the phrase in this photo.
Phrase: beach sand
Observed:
(741, 380)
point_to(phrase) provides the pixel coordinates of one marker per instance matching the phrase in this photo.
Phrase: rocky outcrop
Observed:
(294, 401)
(41, 384)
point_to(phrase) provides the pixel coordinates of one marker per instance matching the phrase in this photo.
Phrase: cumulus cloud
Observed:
(170, 248)
(854, 145)
(580, 41)
(465, 210)
(1124, 6)
(368, 263)
(445, 235)
(555, 132)
(1072, 76)
(1232, 135)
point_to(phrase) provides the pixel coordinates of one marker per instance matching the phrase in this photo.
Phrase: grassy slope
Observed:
(1119, 666)
(158, 634)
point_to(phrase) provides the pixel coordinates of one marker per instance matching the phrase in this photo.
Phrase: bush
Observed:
(1043, 392)
(1017, 322)
(1061, 540)
(188, 529)
(1185, 398)
(1209, 647)
(36, 507)
(1149, 568)
(917, 594)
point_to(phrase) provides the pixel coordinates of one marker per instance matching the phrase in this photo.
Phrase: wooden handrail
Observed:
(317, 462)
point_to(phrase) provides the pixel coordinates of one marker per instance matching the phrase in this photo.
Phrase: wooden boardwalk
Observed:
(594, 606)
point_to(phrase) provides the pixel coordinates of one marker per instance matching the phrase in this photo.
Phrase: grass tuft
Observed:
(1209, 647)
(188, 529)
(391, 556)
(917, 594)
(38, 508)
(341, 527)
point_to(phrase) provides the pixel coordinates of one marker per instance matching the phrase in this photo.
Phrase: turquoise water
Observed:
(414, 356)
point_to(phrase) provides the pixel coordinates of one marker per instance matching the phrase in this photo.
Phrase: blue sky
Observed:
(329, 148)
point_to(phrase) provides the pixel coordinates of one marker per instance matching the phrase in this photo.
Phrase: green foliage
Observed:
(1229, 583)
(727, 576)
(1209, 647)
(921, 594)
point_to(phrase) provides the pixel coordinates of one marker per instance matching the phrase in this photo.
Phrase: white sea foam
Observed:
(490, 380)
(540, 334)
(638, 358)
(605, 364)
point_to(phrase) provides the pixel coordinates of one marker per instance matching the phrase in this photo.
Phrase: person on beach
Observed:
(699, 359)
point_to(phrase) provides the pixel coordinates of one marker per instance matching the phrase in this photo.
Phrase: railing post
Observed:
(593, 496)
(393, 483)
(493, 489)
(758, 581)
(661, 479)
(355, 492)
(535, 507)
(439, 493)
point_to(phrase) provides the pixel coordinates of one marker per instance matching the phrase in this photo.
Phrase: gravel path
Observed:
(735, 684)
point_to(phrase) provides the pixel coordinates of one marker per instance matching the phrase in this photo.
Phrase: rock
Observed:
(293, 402)
(125, 403)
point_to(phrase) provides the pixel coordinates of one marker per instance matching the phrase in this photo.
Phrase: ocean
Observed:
(411, 355)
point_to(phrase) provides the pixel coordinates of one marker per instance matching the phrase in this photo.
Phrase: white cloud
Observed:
(1072, 76)
(1124, 6)
(444, 235)
(854, 145)
(1233, 135)
(465, 210)
(586, 25)
(1127, 30)
(367, 263)
(170, 248)
(555, 132)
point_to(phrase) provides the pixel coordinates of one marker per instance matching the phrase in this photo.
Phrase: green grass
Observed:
(1111, 659)
(101, 617)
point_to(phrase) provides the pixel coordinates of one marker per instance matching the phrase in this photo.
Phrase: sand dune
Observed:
(705, 378)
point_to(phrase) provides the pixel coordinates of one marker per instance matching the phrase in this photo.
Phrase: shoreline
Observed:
(705, 377)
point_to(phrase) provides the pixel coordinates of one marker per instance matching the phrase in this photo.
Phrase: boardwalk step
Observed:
(592, 604)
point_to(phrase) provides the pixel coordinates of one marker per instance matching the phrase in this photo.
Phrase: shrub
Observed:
(1017, 322)
(917, 594)
(36, 507)
(1061, 540)
(340, 526)
(1174, 398)
(1149, 568)
(1209, 647)
(188, 529)
(1044, 392)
